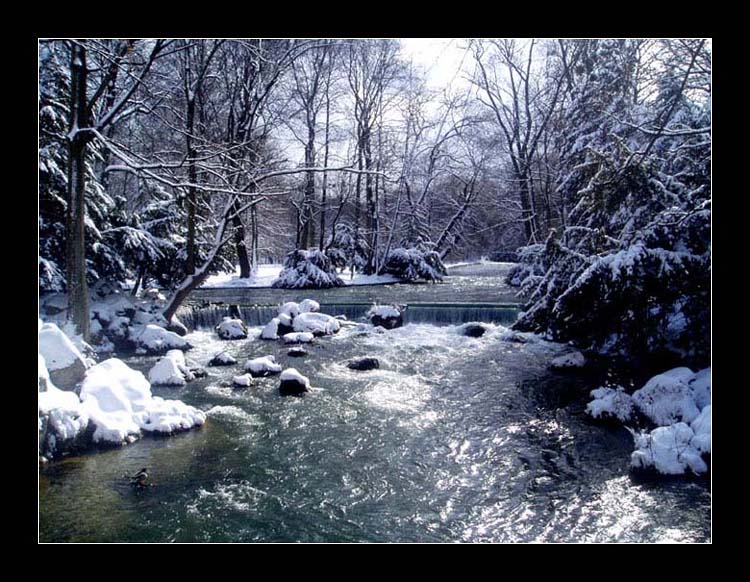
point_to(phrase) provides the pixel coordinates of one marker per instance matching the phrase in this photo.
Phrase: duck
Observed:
(140, 478)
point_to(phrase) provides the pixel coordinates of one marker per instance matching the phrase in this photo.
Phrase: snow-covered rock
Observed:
(62, 420)
(177, 327)
(119, 402)
(169, 416)
(222, 359)
(156, 340)
(271, 330)
(64, 361)
(297, 337)
(297, 352)
(293, 383)
(386, 316)
(289, 308)
(308, 306)
(702, 428)
(242, 380)
(567, 361)
(700, 384)
(612, 403)
(231, 329)
(263, 366)
(316, 323)
(171, 370)
(668, 450)
(668, 398)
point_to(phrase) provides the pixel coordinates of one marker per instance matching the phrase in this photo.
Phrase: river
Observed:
(452, 439)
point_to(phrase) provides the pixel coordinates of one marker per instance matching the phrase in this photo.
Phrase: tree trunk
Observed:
(75, 242)
(192, 178)
(239, 242)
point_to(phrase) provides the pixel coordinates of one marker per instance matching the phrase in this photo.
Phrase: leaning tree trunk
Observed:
(75, 242)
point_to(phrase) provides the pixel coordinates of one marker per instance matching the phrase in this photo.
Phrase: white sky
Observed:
(444, 59)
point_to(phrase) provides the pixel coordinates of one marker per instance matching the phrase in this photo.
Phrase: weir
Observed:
(207, 316)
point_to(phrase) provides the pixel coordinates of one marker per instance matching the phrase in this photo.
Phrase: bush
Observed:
(414, 263)
(307, 270)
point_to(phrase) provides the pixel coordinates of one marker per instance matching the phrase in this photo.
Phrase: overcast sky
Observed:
(445, 59)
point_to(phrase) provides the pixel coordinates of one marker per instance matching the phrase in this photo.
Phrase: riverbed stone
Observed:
(387, 322)
(364, 364)
(177, 327)
(473, 330)
(297, 353)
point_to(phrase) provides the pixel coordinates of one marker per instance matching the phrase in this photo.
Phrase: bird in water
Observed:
(140, 479)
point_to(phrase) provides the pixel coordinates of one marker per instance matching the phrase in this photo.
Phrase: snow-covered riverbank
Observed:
(265, 275)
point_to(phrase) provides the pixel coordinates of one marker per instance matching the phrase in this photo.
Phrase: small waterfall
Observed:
(196, 316)
(209, 316)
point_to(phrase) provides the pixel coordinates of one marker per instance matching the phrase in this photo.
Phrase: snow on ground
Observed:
(265, 275)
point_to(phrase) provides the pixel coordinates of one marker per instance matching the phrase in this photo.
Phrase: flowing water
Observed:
(452, 439)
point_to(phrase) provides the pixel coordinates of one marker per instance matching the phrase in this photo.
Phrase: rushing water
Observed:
(452, 439)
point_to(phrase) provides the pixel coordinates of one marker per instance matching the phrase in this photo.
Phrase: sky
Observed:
(444, 59)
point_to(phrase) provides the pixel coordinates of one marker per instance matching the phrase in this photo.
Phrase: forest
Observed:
(583, 165)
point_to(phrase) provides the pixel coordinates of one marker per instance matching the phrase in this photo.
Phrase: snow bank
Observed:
(171, 370)
(263, 366)
(610, 402)
(668, 398)
(231, 329)
(265, 275)
(119, 402)
(154, 339)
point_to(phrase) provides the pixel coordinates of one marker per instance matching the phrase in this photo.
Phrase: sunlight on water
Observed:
(451, 439)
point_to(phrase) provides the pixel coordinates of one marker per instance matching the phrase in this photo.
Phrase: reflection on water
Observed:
(447, 441)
